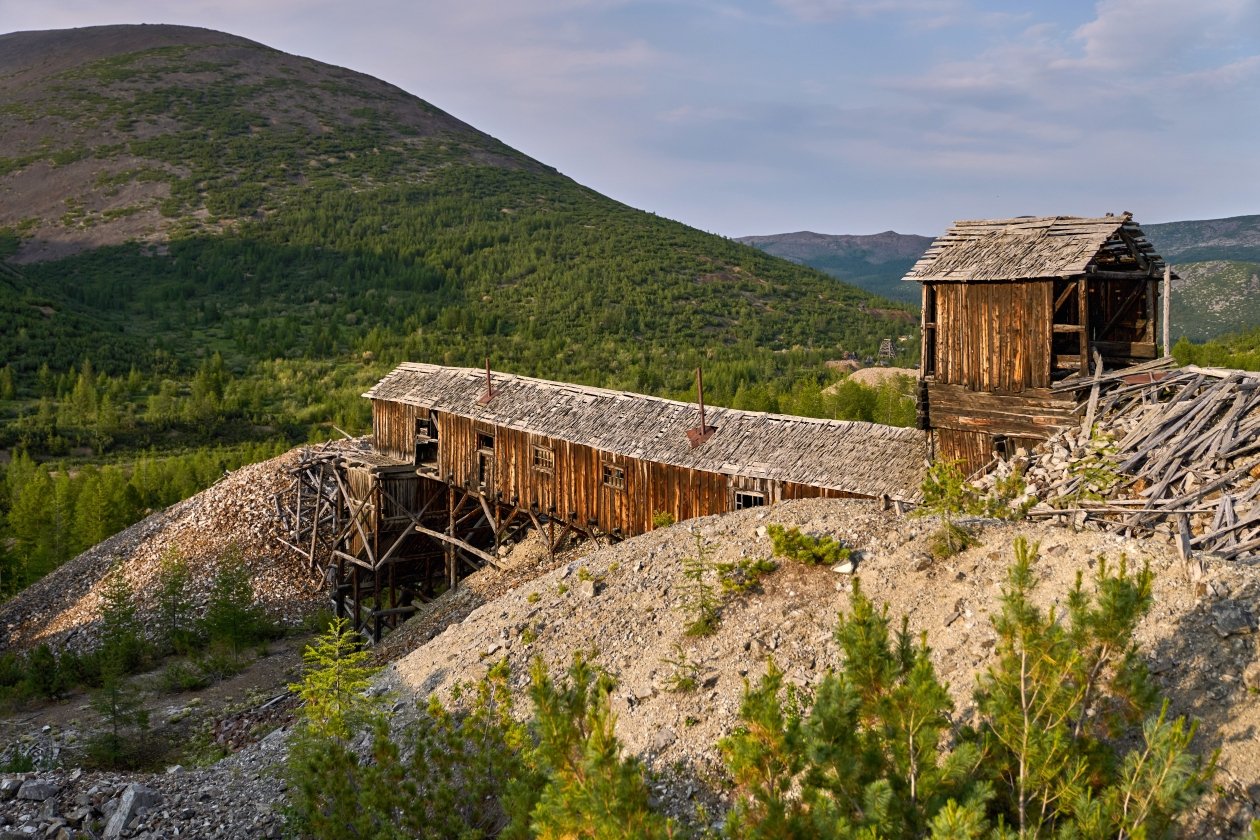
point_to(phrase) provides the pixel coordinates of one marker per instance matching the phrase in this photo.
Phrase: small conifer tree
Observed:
(947, 494)
(44, 677)
(336, 674)
(123, 646)
(119, 744)
(329, 784)
(234, 618)
(175, 606)
(1057, 696)
(699, 597)
(590, 790)
(865, 759)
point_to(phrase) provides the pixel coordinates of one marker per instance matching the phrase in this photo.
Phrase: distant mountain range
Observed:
(1217, 261)
(876, 262)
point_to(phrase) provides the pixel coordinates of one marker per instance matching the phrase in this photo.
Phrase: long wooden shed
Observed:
(1012, 306)
(463, 460)
(617, 459)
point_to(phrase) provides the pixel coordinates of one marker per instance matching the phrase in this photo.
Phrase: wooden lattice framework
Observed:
(387, 537)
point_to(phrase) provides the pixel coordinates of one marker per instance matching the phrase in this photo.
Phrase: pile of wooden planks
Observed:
(1173, 450)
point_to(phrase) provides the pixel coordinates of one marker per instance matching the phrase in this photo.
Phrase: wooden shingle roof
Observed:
(854, 457)
(1036, 248)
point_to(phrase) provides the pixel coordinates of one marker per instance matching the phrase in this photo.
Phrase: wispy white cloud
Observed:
(819, 11)
(1158, 35)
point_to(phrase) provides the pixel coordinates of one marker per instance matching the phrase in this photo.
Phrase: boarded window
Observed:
(485, 441)
(614, 477)
(544, 459)
(745, 499)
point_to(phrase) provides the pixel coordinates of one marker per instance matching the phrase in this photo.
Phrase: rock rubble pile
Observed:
(236, 514)
(1172, 452)
(240, 797)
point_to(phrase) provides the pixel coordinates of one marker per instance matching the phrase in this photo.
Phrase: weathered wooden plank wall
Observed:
(1036, 413)
(582, 479)
(993, 337)
(970, 450)
(394, 428)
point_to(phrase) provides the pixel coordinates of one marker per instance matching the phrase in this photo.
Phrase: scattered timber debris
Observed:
(1173, 451)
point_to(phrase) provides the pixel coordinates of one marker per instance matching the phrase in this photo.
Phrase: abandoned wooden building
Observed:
(1013, 306)
(463, 460)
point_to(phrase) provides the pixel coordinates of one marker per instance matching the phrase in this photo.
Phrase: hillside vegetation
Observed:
(279, 207)
(208, 245)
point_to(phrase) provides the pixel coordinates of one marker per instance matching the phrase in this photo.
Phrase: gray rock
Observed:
(844, 567)
(1229, 621)
(586, 588)
(77, 816)
(9, 788)
(664, 738)
(37, 790)
(135, 797)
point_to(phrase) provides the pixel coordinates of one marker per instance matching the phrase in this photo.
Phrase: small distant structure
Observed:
(886, 351)
(463, 461)
(1011, 307)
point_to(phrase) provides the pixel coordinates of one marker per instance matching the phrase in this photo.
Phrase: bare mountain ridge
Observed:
(876, 248)
(1236, 237)
(92, 120)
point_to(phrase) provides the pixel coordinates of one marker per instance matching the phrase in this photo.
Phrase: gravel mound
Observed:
(63, 608)
(625, 602)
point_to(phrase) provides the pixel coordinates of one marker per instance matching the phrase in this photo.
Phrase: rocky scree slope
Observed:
(235, 515)
(625, 602)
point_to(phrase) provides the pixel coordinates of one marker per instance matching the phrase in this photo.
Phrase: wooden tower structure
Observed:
(1012, 308)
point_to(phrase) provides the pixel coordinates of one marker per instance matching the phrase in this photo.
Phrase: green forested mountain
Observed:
(1218, 263)
(179, 190)
(209, 249)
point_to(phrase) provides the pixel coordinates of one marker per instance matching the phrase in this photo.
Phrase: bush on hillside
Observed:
(1052, 754)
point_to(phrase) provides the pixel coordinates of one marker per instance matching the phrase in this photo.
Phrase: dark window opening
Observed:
(929, 330)
(614, 477)
(745, 499)
(485, 441)
(544, 459)
(485, 468)
(1001, 447)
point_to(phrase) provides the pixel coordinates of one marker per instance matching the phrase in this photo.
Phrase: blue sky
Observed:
(838, 116)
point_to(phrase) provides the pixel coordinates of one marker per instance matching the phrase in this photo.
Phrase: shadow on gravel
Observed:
(1203, 666)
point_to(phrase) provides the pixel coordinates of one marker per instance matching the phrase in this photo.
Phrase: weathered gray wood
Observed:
(459, 544)
(1167, 305)
(1093, 394)
(1183, 537)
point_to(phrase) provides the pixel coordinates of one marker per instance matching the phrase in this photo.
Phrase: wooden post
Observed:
(452, 567)
(1082, 307)
(1093, 395)
(1167, 298)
